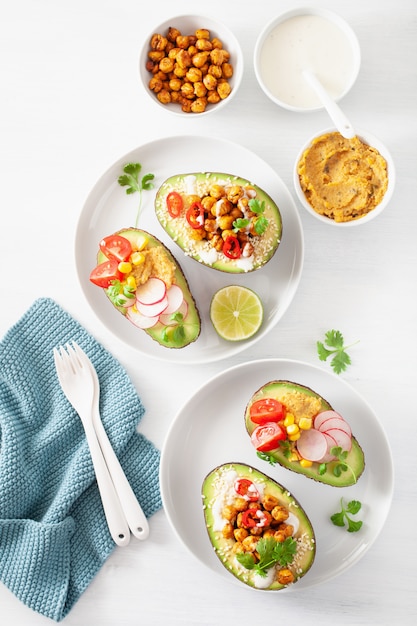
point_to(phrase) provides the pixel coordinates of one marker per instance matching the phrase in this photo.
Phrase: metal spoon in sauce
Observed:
(341, 122)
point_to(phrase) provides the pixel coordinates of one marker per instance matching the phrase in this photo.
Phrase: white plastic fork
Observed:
(78, 386)
(134, 514)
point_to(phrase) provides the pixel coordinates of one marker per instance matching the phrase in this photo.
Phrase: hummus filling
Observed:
(342, 179)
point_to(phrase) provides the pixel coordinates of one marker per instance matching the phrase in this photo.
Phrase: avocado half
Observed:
(327, 473)
(197, 184)
(221, 504)
(191, 325)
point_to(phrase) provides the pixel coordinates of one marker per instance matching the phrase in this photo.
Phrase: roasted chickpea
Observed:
(279, 513)
(213, 97)
(202, 33)
(164, 96)
(223, 89)
(200, 59)
(226, 222)
(183, 41)
(210, 82)
(166, 65)
(227, 531)
(175, 84)
(227, 70)
(234, 193)
(240, 534)
(194, 75)
(249, 543)
(187, 90)
(204, 44)
(285, 576)
(156, 55)
(158, 42)
(155, 84)
(173, 33)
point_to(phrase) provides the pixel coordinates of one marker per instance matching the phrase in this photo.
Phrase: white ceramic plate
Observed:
(209, 431)
(108, 209)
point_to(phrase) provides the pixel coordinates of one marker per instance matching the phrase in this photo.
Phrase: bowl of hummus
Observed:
(344, 182)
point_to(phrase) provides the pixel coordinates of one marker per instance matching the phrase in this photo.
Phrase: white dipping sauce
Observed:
(306, 42)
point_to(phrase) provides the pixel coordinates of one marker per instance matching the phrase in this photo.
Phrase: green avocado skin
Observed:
(177, 230)
(222, 546)
(355, 459)
(192, 323)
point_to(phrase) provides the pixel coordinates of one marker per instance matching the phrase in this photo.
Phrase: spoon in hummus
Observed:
(341, 122)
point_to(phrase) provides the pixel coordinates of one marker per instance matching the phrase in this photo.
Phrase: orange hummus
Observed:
(342, 179)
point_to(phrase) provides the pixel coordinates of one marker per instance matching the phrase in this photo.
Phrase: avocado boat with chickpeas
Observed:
(220, 220)
(258, 530)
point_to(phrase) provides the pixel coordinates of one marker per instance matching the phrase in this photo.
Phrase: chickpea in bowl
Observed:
(344, 182)
(191, 65)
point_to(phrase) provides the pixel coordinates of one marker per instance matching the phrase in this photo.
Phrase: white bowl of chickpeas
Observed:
(191, 65)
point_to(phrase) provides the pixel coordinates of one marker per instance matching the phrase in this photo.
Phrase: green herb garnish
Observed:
(341, 466)
(130, 179)
(342, 517)
(260, 223)
(118, 293)
(174, 333)
(271, 552)
(267, 457)
(335, 346)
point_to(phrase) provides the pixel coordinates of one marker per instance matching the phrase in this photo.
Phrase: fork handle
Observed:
(134, 514)
(113, 511)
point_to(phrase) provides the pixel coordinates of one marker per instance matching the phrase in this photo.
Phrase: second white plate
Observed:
(108, 209)
(209, 431)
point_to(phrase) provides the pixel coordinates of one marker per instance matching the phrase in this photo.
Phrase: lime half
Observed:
(236, 312)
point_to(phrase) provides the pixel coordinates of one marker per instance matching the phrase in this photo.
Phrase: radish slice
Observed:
(140, 320)
(331, 443)
(154, 309)
(325, 415)
(175, 298)
(154, 290)
(166, 318)
(342, 439)
(333, 422)
(312, 445)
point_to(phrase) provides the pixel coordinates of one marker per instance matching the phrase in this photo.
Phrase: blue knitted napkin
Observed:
(53, 533)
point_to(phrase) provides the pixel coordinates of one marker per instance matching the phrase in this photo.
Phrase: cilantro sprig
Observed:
(119, 294)
(342, 517)
(335, 347)
(341, 466)
(260, 223)
(130, 179)
(271, 552)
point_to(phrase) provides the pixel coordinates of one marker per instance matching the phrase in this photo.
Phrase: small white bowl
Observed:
(369, 139)
(306, 38)
(187, 25)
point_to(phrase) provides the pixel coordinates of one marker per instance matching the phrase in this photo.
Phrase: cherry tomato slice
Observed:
(266, 437)
(105, 273)
(195, 215)
(231, 247)
(245, 488)
(267, 410)
(116, 247)
(174, 204)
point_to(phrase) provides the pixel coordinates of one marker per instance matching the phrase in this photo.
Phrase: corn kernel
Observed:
(131, 282)
(141, 241)
(125, 267)
(294, 437)
(289, 419)
(137, 258)
(305, 423)
(293, 457)
(292, 429)
(305, 463)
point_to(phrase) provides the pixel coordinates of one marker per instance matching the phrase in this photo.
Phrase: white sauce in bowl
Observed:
(307, 41)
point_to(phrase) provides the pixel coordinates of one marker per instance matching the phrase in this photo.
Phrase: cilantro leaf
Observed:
(130, 180)
(342, 517)
(271, 552)
(335, 347)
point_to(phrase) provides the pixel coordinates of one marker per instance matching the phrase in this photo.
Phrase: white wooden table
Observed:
(71, 105)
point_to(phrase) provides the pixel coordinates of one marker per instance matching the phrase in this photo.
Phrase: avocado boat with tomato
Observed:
(258, 530)
(292, 425)
(220, 220)
(145, 283)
